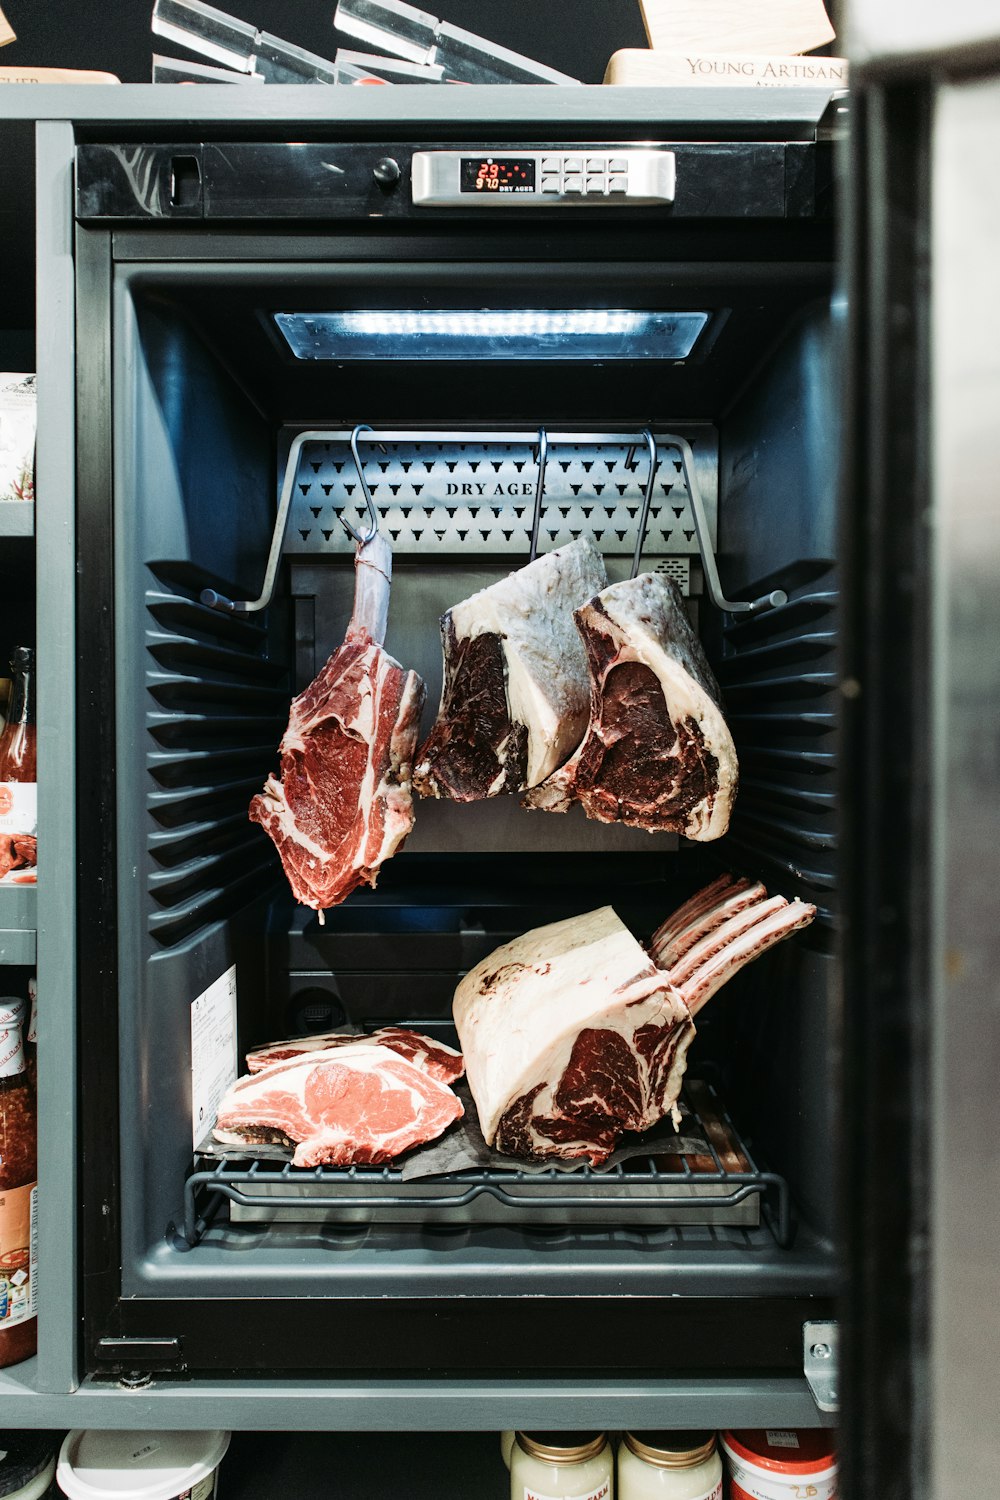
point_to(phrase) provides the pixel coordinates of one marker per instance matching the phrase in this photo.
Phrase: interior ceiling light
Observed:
(491, 333)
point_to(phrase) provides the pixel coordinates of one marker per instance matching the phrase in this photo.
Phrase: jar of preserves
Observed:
(669, 1466)
(562, 1466)
(18, 1190)
(778, 1463)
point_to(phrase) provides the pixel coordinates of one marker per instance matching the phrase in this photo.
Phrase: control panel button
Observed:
(618, 185)
(573, 185)
(386, 172)
(595, 164)
(550, 163)
(595, 184)
(572, 164)
(618, 164)
(550, 184)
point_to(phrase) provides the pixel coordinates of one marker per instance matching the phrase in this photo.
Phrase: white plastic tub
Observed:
(141, 1465)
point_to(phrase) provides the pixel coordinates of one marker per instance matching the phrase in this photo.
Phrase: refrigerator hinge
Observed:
(820, 1363)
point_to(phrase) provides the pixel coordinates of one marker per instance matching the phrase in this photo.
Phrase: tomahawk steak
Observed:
(515, 691)
(343, 803)
(657, 752)
(343, 1107)
(572, 1033)
(437, 1059)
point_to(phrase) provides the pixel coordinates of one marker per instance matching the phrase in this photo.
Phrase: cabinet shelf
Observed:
(17, 518)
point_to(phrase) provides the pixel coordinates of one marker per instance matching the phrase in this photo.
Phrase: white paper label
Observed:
(213, 1052)
(601, 1493)
(11, 1051)
(19, 807)
(780, 1438)
(146, 1451)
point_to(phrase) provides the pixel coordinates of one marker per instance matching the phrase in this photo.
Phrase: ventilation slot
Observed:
(778, 678)
(216, 709)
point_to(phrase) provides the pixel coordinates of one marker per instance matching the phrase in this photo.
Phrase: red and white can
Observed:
(779, 1463)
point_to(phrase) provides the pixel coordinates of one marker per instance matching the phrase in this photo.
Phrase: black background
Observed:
(575, 36)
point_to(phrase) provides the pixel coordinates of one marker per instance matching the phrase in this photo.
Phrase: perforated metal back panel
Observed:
(447, 493)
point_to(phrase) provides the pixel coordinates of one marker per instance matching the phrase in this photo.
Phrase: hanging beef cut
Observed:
(433, 1057)
(343, 802)
(515, 692)
(573, 1033)
(657, 752)
(349, 1106)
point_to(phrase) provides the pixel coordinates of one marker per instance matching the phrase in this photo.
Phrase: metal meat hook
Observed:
(362, 541)
(536, 520)
(225, 605)
(640, 540)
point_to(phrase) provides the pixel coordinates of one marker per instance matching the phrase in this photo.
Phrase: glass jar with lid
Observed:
(562, 1466)
(669, 1466)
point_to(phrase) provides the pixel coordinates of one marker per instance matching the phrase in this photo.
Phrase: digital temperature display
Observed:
(498, 174)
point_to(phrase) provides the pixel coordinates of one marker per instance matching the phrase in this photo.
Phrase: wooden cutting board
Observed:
(633, 65)
(6, 30)
(779, 26)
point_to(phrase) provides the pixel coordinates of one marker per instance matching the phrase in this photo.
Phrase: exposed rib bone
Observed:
(721, 967)
(695, 905)
(719, 937)
(740, 896)
(372, 577)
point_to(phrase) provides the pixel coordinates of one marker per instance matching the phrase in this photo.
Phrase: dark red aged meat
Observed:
(657, 753)
(343, 803)
(514, 694)
(574, 1033)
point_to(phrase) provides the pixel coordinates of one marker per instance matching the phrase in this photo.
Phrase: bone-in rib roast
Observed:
(436, 1058)
(515, 692)
(345, 1106)
(573, 1033)
(657, 752)
(343, 803)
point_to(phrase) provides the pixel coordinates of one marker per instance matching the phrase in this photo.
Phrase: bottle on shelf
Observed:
(18, 1189)
(562, 1466)
(18, 789)
(669, 1466)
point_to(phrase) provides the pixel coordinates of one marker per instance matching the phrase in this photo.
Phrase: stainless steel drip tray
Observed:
(707, 1176)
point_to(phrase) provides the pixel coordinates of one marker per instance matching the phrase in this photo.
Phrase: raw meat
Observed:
(437, 1059)
(572, 1034)
(350, 1106)
(343, 804)
(657, 752)
(703, 949)
(515, 691)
